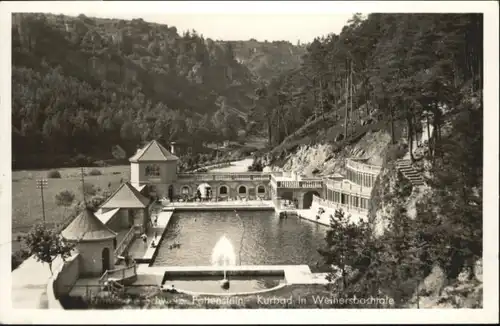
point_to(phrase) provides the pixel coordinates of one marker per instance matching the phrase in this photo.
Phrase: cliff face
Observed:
(435, 291)
(267, 59)
(322, 159)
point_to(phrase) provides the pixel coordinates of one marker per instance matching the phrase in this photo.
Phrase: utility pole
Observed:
(41, 184)
(83, 186)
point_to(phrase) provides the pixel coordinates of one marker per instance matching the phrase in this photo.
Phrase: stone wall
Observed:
(62, 281)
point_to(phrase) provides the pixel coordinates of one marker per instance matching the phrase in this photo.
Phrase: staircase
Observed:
(409, 172)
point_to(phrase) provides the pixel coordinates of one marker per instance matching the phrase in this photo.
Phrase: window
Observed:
(185, 190)
(242, 190)
(355, 201)
(336, 196)
(261, 190)
(364, 203)
(153, 170)
(223, 190)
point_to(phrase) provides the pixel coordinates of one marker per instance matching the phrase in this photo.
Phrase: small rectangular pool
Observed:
(256, 237)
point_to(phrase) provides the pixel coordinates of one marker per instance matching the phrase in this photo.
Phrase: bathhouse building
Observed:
(155, 167)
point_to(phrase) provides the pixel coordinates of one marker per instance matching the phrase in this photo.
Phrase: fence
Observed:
(125, 241)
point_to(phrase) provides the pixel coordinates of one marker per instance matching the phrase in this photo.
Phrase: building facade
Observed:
(155, 168)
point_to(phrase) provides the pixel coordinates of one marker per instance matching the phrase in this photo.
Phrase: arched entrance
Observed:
(105, 259)
(308, 198)
(186, 191)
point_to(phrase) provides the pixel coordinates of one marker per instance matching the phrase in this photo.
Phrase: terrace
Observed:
(224, 176)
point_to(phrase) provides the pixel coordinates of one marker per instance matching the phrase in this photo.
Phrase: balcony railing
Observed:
(309, 183)
(334, 205)
(362, 167)
(125, 241)
(224, 176)
(349, 188)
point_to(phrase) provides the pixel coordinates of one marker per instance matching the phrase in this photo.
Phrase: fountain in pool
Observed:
(223, 255)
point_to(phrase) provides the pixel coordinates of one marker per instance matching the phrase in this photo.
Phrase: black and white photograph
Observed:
(241, 158)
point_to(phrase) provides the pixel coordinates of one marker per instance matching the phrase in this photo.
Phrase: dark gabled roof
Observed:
(126, 196)
(87, 227)
(153, 152)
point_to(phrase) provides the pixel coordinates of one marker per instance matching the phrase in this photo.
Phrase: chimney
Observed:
(172, 148)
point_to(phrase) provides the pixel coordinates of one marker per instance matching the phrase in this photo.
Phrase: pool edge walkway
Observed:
(161, 226)
(294, 274)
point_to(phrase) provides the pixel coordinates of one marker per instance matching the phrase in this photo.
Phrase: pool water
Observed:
(211, 284)
(266, 239)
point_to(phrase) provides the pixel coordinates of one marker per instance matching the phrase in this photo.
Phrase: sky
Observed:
(225, 20)
(272, 27)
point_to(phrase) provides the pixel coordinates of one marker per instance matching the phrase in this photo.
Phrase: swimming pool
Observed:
(267, 240)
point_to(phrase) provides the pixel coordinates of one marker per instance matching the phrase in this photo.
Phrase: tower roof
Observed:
(126, 196)
(87, 227)
(153, 152)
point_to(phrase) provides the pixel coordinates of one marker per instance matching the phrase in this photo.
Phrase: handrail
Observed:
(103, 278)
(122, 273)
(125, 241)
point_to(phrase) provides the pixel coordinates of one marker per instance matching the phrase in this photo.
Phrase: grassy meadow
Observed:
(26, 197)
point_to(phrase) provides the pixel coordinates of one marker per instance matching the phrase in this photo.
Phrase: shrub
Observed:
(82, 160)
(54, 174)
(88, 189)
(47, 244)
(95, 202)
(65, 198)
(95, 172)
(256, 166)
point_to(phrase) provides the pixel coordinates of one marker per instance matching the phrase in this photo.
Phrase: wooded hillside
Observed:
(82, 85)
(384, 67)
